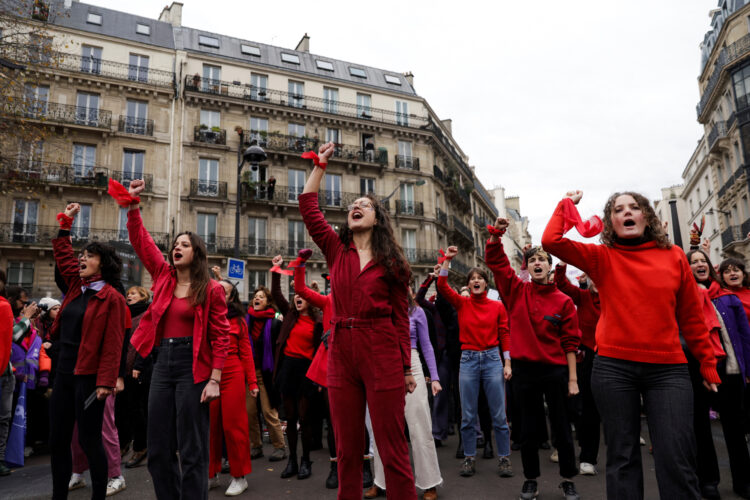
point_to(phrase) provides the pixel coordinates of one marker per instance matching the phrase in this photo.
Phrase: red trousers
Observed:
(229, 420)
(365, 364)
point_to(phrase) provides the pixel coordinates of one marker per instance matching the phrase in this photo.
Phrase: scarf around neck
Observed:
(266, 315)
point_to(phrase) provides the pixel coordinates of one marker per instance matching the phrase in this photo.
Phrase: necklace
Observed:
(183, 284)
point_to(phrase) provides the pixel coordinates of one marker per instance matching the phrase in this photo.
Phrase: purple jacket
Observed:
(733, 314)
(26, 362)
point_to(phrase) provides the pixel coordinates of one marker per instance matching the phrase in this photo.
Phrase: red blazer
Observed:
(104, 322)
(210, 329)
(239, 345)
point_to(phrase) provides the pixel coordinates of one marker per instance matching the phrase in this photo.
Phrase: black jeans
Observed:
(588, 428)
(65, 409)
(534, 381)
(131, 411)
(667, 393)
(177, 421)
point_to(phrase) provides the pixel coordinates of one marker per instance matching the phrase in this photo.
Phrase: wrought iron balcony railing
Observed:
(54, 112)
(32, 171)
(294, 144)
(213, 135)
(200, 188)
(727, 57)
(458, 266)
(259, 247)
(442, 217)
(133, 125)
(460, 228)
(39, 235)
(437, 173)
(718, 131)
(124, 178)
(407, 162)
(409, 208)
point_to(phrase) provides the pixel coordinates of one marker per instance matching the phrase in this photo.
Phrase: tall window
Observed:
(210, 118)
(208, 177)
(296, 236)
(405, 159)
(258, 87)
(256, 279)
(36, 97)
(296, 183)
(364, 106)
(296, 94)
(366, 185)
(720, 174)
(40, 48)
(297, 137)
(21, 273)
(257, 236)
(87, 112)
(402, 113)
(91, 59)
(82, 223)
(333, 135)
(259, 131)
(135, 122)
(84, 159)
(333, 190)
(409, 243)
(138, 68)
(29, 161)
(132, 166)
(741, 81)
(24, 220)
(211, 78)
(737, 157)
(406, 191)
(330, 100)
(207, 230)
(122, 226)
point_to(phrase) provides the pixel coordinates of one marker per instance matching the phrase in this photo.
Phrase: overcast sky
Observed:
(545, 96)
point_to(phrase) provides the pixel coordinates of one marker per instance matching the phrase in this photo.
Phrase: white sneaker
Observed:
(115, 485)
(76, 481)
(213, 482)
(237, 486)
(642, 441)
(553, 457)
(28, 451)
(587, 469)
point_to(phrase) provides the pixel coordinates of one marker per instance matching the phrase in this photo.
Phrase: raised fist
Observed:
(326, 151)
(501, 224)
(136, 186)
(277, 261)
(451, 252)
(575, 195)
(72, 209)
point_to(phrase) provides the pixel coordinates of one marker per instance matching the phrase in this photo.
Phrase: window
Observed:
(708, 185)
(296, 236)
(366, 186)
(249, 50)
(94, 19)
(746, 207)
(36, 98)
(409, 243)
(132, 166)
(296, 183)
(404, 150)
(406, 192)
(84, 158)
(82, 223)
(259, 131)
(698, 194)
(289, 58)
(402, 113)
(87, 112)
(40, 48)
(256, 279)
(21, 274)
(330, 100)
(720, 174)
(258, 86)
(257, 236)
(364, 106)
(735, 217)
(728, 164)
(324, 65)
(29, 161)
(358, 72)
(24, 220)
(333, 190)
(137, 114)
(296, 94)
(392, 79)
(207, 230)
(208, 177)
(737, 158)
(138, 68)
(741, 82)
(208, 41)
(211, 78)
(142, 29)
(210, 118)
(91, 59)
(333, 135)
(122, 225)
(296, 141)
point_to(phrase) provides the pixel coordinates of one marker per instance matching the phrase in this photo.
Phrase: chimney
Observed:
(409, 77)
(172, 14)
(304, 44)
(448, 124)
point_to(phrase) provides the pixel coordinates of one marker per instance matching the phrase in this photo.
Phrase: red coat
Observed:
(318, 371)
(239, 345)
(587, 303)
(210, 329)
(104, 322)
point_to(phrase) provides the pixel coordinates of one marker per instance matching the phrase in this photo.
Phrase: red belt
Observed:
(362, 322)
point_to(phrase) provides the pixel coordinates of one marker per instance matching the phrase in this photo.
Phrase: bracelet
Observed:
(214, 380)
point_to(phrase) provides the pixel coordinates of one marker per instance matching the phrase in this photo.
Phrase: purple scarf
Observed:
(267, 347)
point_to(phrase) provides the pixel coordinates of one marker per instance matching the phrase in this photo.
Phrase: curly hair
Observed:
(386, 251)
(110, 264)
(269, 297)
(732, 262)
(199, 276)
(654, 230)
(711, 271)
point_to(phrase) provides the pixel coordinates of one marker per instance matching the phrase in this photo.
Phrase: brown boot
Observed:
(374, 492)
(430, 494)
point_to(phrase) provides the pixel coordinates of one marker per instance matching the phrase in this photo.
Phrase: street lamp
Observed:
(253, 155)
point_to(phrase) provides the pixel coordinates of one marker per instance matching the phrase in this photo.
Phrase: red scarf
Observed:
(586, 228)
(91, 279)
(268, 313)
(710, 316)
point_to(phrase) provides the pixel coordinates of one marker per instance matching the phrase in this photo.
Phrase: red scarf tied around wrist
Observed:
(586, 228)
(121, 195)
(315, 158)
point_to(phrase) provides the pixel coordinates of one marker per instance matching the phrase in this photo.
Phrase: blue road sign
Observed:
(236, 269)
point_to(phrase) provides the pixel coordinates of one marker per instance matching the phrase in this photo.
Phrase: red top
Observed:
(544, 321)
(210, 328)
(648, 298)
(178, 320)
(368, 293)
(743, 294)
(587, 304)
(239, 345)
(482, 322)
(322, 302)
(300, 342)
(6, 333)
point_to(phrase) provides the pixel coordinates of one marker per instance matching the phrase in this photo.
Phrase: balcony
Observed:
(718, 131)
(53, 112)
(410, 208)
(260, 247)
(442, 217)
(124, 178)
(200, 188)
(298, 145)
(407, 162)
(248, 92)
(133, 125)
(461, 233)
(458, 266)
(214, 135)
(438, 174)
(728, 56)
(38, 235)
(32, 171)
(261, 194)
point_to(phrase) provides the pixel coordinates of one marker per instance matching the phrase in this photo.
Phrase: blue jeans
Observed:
(483, 367)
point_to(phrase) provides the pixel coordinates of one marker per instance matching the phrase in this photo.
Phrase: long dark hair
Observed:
(385, 249)
(732, 262)
(199, 276)
(711, 271)
(234, 305)
(653, 231)
(110, 264)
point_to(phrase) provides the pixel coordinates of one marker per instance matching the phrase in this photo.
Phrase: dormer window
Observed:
(392, 79)
(250, 50)
(289, 58)
(324, 65)
(358, 72)
(208, 41)
(94, 19)
(143, 29)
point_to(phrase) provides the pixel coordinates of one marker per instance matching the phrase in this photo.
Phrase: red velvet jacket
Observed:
(210, 329)
(104, 322)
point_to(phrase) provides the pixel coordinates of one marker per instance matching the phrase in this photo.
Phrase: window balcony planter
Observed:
(213, 135)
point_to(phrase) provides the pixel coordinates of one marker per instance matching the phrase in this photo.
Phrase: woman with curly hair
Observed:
(91, 328)
(370, 349)
(648, 299)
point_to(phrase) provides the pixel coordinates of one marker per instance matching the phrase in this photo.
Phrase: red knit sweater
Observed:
(544, 321)
(482, 322)
(587, 304)
(648, 297)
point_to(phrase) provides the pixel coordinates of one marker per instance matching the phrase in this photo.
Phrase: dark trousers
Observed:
(514, 416)
(588, 427)
(177, 421)
(667, 393)
(441, 404)
(131, 411)
(66, 409)
(534, 381)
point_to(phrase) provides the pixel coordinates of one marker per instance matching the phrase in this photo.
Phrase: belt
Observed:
(176, 341)
(361, 322)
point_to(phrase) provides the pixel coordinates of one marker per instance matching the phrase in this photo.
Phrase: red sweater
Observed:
(648, 297)
(6, 333)
(300, 343)
(544, 321)
(587, 304)
(482, 322)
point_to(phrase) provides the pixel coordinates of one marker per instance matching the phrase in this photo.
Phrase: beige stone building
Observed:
(138, 97)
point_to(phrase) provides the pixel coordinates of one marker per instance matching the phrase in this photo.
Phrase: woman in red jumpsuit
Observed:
(370, 350)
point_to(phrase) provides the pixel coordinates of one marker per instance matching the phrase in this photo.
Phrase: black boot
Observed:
(367, 480)
(332, 482)
(460, 449)
(488, 453)
(305, 468)
(291, 468)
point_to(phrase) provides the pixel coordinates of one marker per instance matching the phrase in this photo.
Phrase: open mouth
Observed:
(702, 272)
(299, 303)
(537, 269)
(629, 223)
(177, 256)
(357, 215)
(82, 266)
(477, 286)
